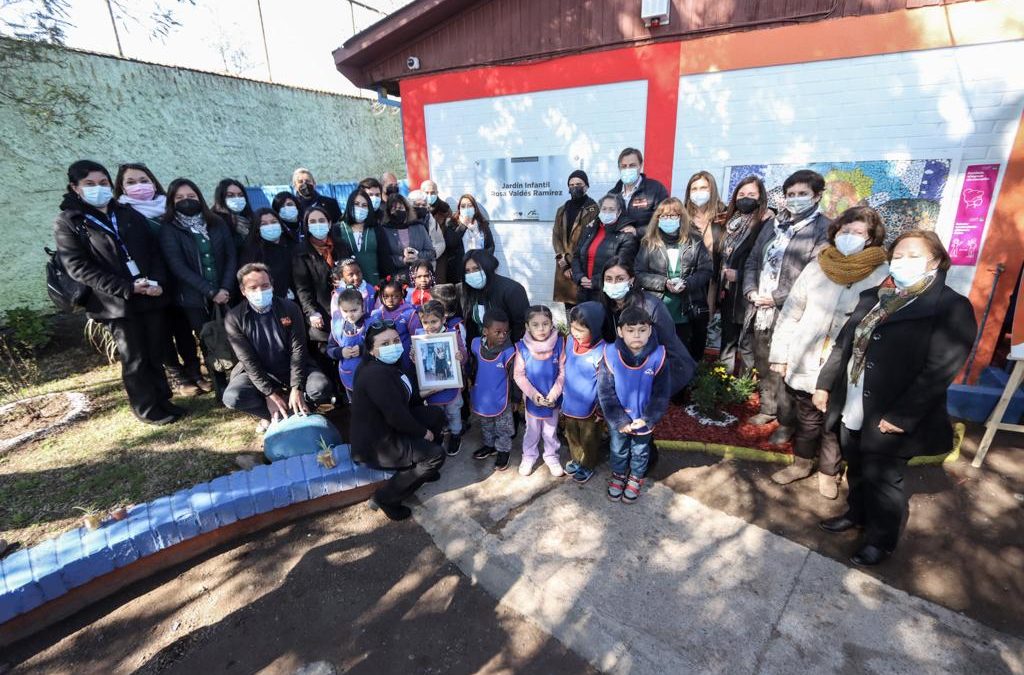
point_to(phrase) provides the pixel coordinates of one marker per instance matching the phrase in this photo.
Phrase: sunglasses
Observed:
(381, 324)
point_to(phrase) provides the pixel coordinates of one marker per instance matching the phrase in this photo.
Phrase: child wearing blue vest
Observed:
(345, 342)
(490, 396)
(540, 374)
(432, 318)
(348, 274)
(584, 354)
(421, 274)
(634, 388)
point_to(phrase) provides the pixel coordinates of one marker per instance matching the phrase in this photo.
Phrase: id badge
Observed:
(133, 268)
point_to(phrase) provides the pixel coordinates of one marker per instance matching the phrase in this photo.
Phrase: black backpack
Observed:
(65, 293)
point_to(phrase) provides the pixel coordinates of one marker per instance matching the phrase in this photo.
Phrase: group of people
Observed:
(853, 344)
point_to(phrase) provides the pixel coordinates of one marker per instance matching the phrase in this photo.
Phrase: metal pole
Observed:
(981, 327)
(263, 32)
(113, 23)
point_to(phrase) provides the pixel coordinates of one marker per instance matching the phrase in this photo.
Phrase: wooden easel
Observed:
(995, 420)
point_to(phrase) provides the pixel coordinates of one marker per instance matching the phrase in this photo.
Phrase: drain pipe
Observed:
(984, 318)
(382, 98)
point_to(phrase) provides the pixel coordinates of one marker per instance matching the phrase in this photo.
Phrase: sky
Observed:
(225, 36)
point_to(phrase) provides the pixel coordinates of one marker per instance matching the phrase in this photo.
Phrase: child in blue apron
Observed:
(584, 354)
(432, 318)
(490, 396)
(345, 343)
(348, 274)
(391, 306)
(540, 374)
(421, 274)
(634, 388)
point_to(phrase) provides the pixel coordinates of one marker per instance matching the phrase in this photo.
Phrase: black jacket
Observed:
(92, 257)
(182, 255)
(615, 243)
(910, 362)
(803, 248)
(455, 251)
(276, 256)
(734, 302)
(311, 278)
(642, 203)
(291, 326)
(499, 292)
(393, 256)
(694, 266)
(381, 402)
(328, 204)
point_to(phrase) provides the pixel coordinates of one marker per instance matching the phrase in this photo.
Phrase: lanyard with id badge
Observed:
(112, 230)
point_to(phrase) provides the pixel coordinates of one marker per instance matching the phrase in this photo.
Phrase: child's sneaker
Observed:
(616, 484)
(454, 445)
(501, 461)
(526, 466)
(632, 491)
(555, 467)
(572, 467)
(484, 452)
(582, 474)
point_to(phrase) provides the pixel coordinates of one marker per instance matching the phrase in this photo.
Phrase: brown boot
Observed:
(828, 486)
(799, 469)
(181, 385)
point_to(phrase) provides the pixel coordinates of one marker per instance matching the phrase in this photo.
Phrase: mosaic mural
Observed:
(907, 193)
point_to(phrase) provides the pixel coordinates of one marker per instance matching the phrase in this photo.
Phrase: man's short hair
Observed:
(630, 151)
(249, 268)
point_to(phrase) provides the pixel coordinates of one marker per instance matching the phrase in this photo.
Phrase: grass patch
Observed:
(109, 458)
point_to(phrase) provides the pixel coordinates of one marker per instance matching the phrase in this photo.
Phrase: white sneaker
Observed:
(526, 467)
(556, 469)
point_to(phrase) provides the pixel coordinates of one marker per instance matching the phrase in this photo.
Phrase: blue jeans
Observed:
(629, 452)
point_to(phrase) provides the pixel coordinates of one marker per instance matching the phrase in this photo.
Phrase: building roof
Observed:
(447, 35)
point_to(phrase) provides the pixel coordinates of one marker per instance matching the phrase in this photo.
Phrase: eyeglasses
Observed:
(381, 324)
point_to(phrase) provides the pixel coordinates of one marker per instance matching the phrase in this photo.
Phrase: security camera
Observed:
(412, 63)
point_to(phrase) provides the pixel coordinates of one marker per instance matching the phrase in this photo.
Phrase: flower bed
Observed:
(678, 425)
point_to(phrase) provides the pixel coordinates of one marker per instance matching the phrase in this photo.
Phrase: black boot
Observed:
(453, 445)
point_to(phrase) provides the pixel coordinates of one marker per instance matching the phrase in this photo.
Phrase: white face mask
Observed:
(797, 205)
(848, 244)
(607, 218)
(616, 291)
(700, 197)
(908, 271)
(235, 204)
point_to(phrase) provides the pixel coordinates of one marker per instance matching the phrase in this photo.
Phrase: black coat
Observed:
(92, 257)
(381, 402)
(291, 327)
(803, 248)
(455, 251)
(734, 303)
(910, 362)
(311, 278)
(276, 256)
(642, 203)
(328, 204)
(393, 256)
(501, 293)
(694, 266)
(615, 243)
(182, 255)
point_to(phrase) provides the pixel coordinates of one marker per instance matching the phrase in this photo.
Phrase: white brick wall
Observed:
(962, 103)
(587, 124)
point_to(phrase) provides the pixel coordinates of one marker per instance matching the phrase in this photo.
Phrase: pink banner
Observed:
(971, 213)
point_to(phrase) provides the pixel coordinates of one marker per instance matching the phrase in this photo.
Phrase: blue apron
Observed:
(579, 398)
(542, 374)
(633, 385)
(489, 396)
(345, 336)
(445, 396)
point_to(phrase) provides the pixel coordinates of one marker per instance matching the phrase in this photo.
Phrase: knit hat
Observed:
(579, 173)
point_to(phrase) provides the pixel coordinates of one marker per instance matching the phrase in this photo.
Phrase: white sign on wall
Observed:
(523, 188)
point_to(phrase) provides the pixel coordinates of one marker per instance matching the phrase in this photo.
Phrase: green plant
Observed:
(101, 339)
(29, 328)
(18, 370)
(713, 387)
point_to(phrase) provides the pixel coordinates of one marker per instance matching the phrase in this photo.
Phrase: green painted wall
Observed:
(180, 123)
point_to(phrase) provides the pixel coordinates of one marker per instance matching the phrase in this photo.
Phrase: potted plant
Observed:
(90, 517)
(119, 512)
(325, 457)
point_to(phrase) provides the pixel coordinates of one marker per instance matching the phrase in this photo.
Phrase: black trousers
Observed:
(419, 460)
(197, 316)
(810, 439)
(735, 343)
(140, 345)
(180, 356)
(242, 395)
(775, 400)
(694, 336)
(877, 498)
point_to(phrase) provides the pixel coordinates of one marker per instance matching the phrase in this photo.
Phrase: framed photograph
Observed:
(435, 359)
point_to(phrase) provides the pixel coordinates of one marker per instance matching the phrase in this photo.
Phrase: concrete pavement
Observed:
(668, 585)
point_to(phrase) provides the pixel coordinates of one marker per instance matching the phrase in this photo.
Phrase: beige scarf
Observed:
(849, 269)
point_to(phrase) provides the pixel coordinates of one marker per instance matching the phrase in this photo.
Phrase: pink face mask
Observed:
(141, 191)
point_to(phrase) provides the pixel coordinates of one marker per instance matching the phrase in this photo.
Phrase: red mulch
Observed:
(678, 426)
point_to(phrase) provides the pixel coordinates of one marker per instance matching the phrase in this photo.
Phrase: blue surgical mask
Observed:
(97, 195)
(630, 175)
(431, 199)
(700, 197)
(235, 204)
(260, 298)
(607, 218)
(360, 213)
(668, 225)
(467, 212)
(476, 279)
(271, 231)
(391, 353)
(289, 213)
(375, 201)
(319, 230)
(617, 291)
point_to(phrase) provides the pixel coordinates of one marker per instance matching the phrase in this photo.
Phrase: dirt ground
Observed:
(348, 588)
(963, 546)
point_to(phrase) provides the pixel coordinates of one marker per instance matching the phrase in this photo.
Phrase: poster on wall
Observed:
(523, 188)
(972, 212)
(907, 193)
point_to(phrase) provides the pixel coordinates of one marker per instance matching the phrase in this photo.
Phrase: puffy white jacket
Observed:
(810, 320)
